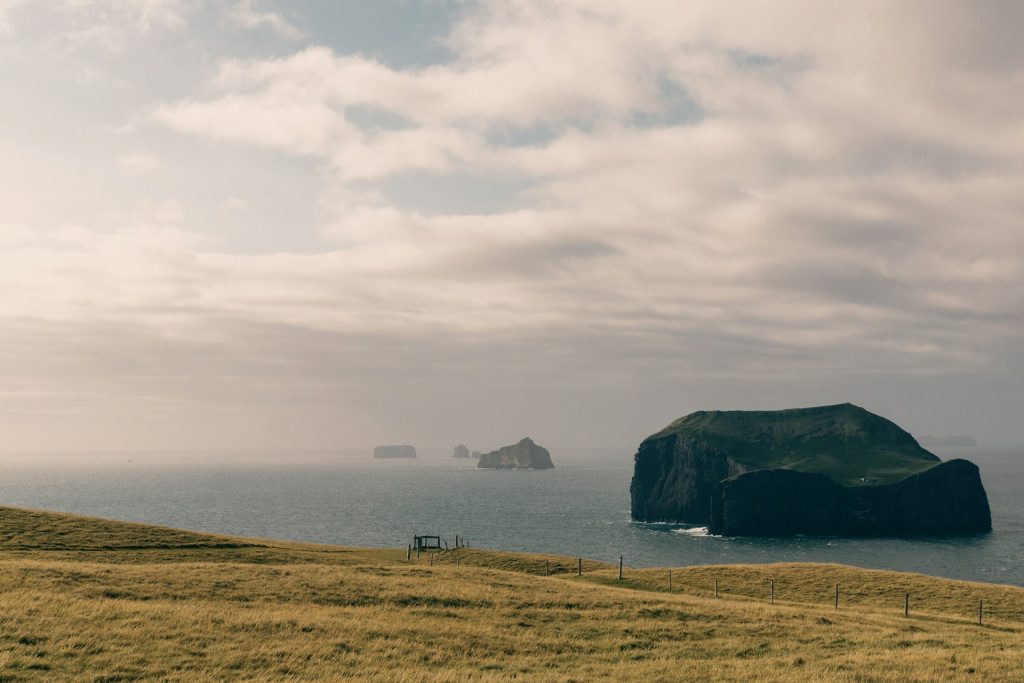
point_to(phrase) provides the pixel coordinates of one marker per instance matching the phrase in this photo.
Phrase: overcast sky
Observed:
(334, 223)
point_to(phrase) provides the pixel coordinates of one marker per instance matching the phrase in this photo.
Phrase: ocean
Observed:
(581, 508)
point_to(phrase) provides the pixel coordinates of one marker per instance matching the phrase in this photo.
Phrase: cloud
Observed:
(235, 205)
(139, 162)
(245, 15)
(822, 167)
(6, 22)
(696, 196)
(14, 235)
(110, 26)
(300, 127)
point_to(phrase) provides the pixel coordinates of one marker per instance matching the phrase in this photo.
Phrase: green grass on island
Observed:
(844, 442)
(83, 599)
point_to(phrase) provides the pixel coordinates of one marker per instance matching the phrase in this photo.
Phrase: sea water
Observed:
(581, 508)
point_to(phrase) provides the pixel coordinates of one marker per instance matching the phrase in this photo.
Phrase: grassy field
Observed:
(94, 600)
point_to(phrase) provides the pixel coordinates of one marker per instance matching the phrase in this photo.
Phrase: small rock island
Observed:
(525, 455)
(836, 470)
(403, 451)
(460, 451)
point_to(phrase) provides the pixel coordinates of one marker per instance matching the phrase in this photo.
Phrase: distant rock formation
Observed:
(826, 470)
(959, 441)
(521, 456)
(476, 454)
(403, 451)
(460, 451)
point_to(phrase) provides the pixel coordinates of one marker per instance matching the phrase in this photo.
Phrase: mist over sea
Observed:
(579, 508)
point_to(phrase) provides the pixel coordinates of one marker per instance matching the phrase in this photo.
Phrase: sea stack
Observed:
(460, 451)
(403, 451)
(525, 455)
(826, 470)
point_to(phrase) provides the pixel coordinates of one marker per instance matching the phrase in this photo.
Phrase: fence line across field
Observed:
(440, 547)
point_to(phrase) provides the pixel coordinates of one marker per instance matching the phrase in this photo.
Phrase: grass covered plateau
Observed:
(844, 442)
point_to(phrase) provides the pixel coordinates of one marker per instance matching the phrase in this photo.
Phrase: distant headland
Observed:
(402, 451)
(825, 470)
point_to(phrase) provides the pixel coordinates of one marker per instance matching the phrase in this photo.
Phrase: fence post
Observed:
(620, 567)
(579, 566)
(837, 596)
(430, 558)
(716, 586)
(408, 552)
(771, 600)
(906, 604)
(670, 579)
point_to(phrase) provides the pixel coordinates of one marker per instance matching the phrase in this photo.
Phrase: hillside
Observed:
(22, 529)
(844, 442)
(95, 600)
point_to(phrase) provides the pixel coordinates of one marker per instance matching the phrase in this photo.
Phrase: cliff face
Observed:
(675, 478)
(403, 451)
(523, 455)
(776, 502)
(829, 470)
(949, 498)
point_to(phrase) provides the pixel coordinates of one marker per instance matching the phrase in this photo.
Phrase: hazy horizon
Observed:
(563, 455)
(236, 225)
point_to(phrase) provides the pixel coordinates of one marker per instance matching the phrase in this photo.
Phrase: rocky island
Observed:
(403, 451)
(525, 455)
(827, 470)
(460, 451)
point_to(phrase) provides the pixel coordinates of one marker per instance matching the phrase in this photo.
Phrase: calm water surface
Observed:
(580, 508)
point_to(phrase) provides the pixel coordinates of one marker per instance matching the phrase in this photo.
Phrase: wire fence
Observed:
(837, 587)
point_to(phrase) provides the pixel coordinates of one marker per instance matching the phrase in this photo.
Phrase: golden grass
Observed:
(110, 602)
(22, 529)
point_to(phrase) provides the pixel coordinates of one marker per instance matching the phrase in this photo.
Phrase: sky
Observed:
(324, 224)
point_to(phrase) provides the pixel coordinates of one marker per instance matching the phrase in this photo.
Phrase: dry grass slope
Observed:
(22, 529)
(93, 600)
